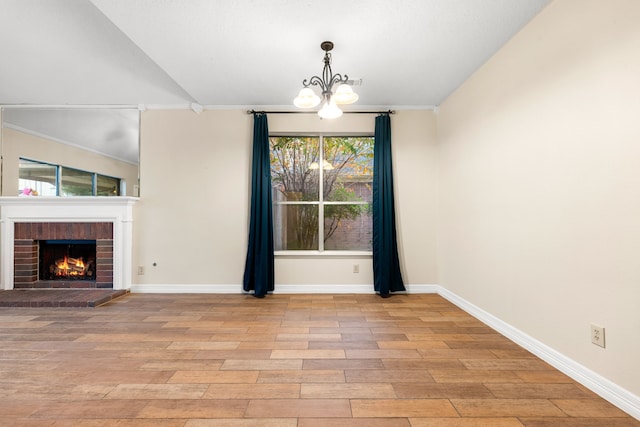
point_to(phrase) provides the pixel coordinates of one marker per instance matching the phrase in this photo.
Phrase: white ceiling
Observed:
(232, 54)
(248, 53)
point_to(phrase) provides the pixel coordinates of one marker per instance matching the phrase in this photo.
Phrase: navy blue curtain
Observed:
(386, 265)
(258, 270)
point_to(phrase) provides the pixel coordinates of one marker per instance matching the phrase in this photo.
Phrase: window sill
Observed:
(323, 254)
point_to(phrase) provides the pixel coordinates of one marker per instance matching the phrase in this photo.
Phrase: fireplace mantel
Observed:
(117, 210)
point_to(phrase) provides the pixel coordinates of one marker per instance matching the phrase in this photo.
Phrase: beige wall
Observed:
(16, 144)
(415, 179)
(539, 184)
(1, 157)
(192, 218)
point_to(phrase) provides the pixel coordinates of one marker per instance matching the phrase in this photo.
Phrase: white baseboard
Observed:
(348, 289)
(618, 396)
(280, 289)
(323, 289)
(186, 289)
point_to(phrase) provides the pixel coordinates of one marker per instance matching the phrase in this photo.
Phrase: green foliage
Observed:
(334, 214)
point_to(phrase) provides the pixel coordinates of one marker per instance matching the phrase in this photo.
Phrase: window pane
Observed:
(295, 227)
(348, 168)
(347, 228)
(75, 182)
(107, 186)
(36, 178)
(294, 168)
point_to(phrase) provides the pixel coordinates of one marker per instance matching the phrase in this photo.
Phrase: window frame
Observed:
(59, 178)
(321, 252)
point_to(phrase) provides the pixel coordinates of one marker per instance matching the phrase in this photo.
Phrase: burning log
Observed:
(69, 266)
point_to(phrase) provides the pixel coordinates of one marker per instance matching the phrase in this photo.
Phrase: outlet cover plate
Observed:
(597, 335)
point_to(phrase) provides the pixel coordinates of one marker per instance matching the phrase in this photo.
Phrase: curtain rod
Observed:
(315, 112)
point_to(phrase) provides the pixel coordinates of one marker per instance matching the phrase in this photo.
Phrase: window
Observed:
(44, 179)
(322, 192)
(107, 186)
(37, 178)
(74, 182)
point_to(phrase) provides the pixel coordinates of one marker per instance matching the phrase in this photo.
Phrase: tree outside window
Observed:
(322, 192)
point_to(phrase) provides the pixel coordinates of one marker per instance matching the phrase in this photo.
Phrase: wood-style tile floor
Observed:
(286, 360)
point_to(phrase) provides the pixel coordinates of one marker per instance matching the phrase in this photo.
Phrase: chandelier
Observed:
(343, 94)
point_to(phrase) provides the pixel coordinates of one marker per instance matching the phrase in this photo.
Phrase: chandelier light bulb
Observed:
(330, 111)
(306, 98)
(344, 95)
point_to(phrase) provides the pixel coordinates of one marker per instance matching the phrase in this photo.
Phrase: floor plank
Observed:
(283, 361)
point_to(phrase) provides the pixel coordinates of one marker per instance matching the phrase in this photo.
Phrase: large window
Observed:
(44, 179)
(322, 192)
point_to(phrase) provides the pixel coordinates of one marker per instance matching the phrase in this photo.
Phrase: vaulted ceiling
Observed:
(230, 54)
(245, 53)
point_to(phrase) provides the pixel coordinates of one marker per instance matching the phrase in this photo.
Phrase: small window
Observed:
(45, 179)
(74, 182)
(322, 192)
(107, 186)
(37, 179)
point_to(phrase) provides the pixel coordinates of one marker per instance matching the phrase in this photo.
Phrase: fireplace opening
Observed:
(67, 260)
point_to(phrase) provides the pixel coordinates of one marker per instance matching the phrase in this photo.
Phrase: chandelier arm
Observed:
(338, 78)
(325, 85)
(315, 81)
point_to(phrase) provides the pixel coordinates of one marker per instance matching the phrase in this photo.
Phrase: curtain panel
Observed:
(259, 266)
(386, 265)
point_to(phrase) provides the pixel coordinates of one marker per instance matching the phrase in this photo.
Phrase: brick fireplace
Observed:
(32, 266)
(27, 222)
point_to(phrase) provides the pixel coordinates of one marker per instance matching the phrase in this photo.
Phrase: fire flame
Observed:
(64, 269)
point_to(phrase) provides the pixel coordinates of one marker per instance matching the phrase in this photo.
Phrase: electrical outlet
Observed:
(356, 268)
(140, 270)
(597, 335)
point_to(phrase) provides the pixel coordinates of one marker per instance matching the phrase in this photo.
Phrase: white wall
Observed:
(540, 184)
(192, 219)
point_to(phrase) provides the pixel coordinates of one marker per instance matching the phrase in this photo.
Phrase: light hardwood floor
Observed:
(286, 360)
